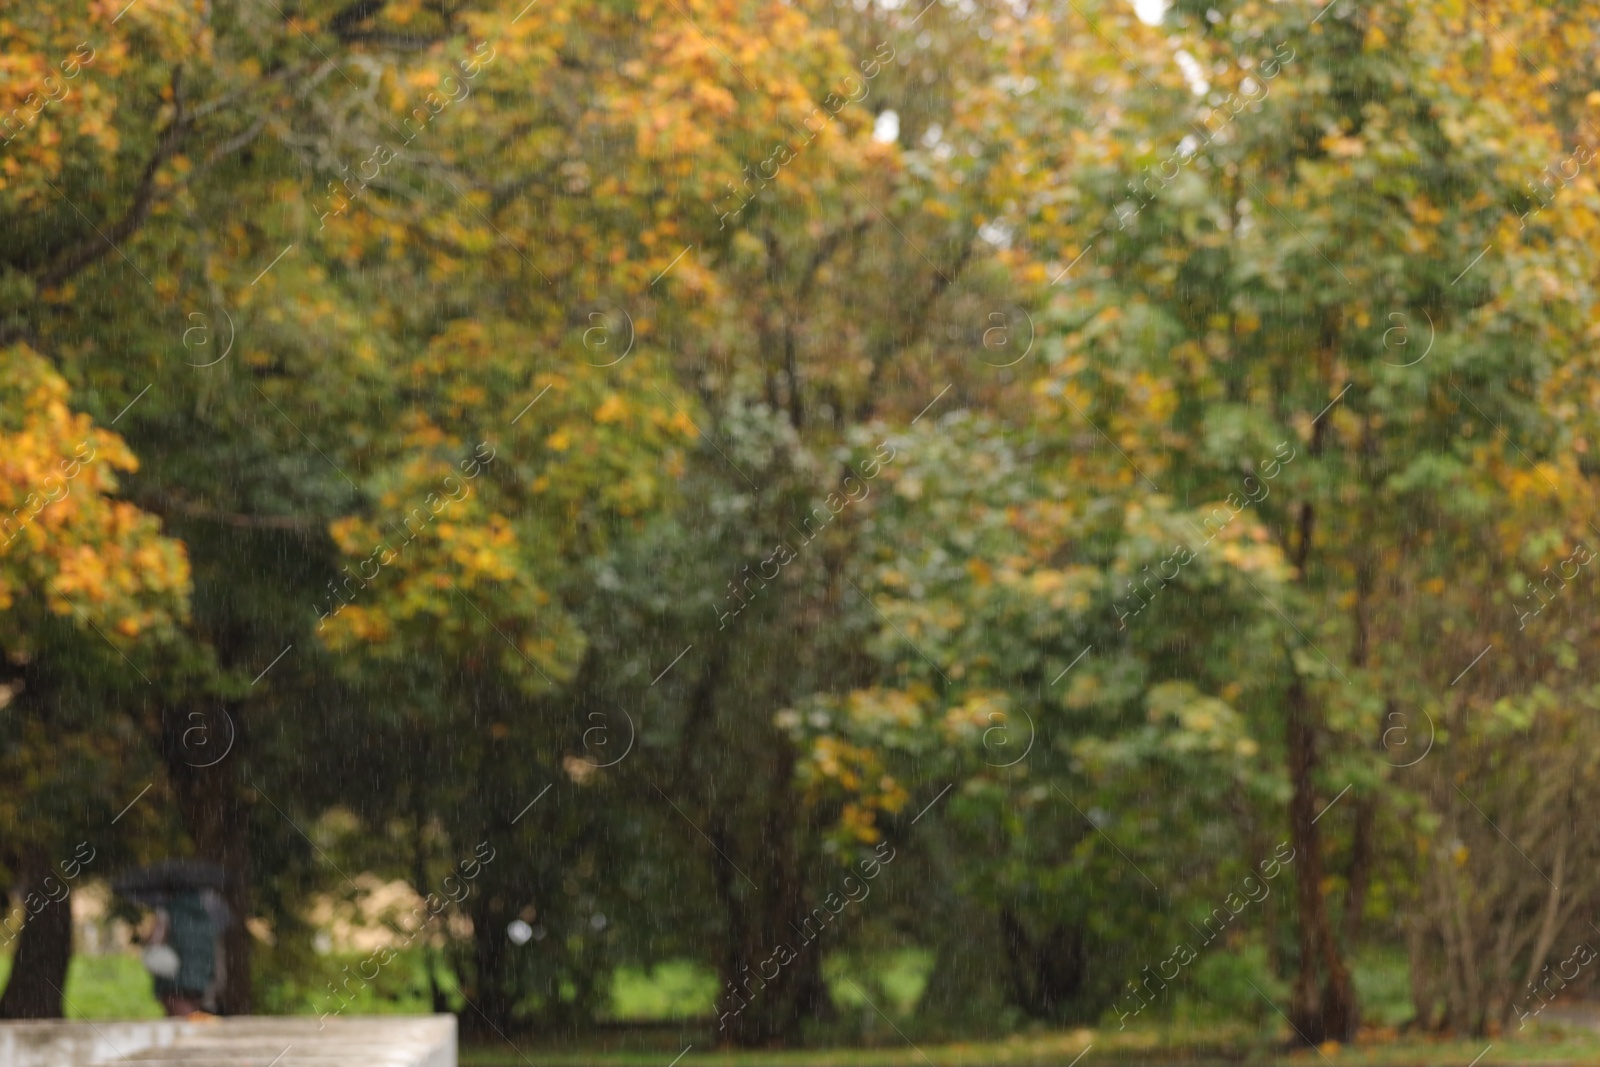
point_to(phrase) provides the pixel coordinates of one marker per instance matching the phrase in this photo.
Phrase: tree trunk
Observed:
(492, 997)
(44, 950)
(493, 898)
(1320, 1012)
(1541, 947)
(1328, 1012)
(777, 997)
(203, 769)
(768, 998)
(419, 882)
(1361, 861)
(1046, 973)
(772, 922)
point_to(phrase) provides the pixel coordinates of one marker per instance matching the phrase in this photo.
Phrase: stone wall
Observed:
(246, 1041)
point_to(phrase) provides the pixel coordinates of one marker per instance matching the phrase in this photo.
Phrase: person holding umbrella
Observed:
(183, 953)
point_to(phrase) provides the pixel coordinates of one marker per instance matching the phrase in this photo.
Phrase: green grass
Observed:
(105, 987)
(116, 986)
(1190, 1046)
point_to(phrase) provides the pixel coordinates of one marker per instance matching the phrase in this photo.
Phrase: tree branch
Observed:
(87, 251)
(168, 506)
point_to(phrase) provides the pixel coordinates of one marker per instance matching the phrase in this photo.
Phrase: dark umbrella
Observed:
(151, 885)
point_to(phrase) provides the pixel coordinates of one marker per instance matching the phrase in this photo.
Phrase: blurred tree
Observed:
(90, 595)
(483, 361)
(1293, 222)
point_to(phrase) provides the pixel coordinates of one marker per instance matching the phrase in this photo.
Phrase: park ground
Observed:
(660, 1015)
(1190, 1046)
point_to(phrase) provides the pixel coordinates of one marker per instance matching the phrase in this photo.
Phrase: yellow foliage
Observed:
(65, 543)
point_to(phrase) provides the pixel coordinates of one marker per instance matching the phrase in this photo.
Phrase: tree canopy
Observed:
(697, 449)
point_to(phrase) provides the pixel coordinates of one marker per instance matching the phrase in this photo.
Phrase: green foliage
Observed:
(674, 989)
(1070, 492)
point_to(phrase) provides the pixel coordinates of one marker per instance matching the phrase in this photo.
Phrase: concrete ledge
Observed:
(241, 1041)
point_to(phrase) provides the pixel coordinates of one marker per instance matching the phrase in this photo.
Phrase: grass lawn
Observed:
(1221, 1044)
(104, 987)
(675, 997)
